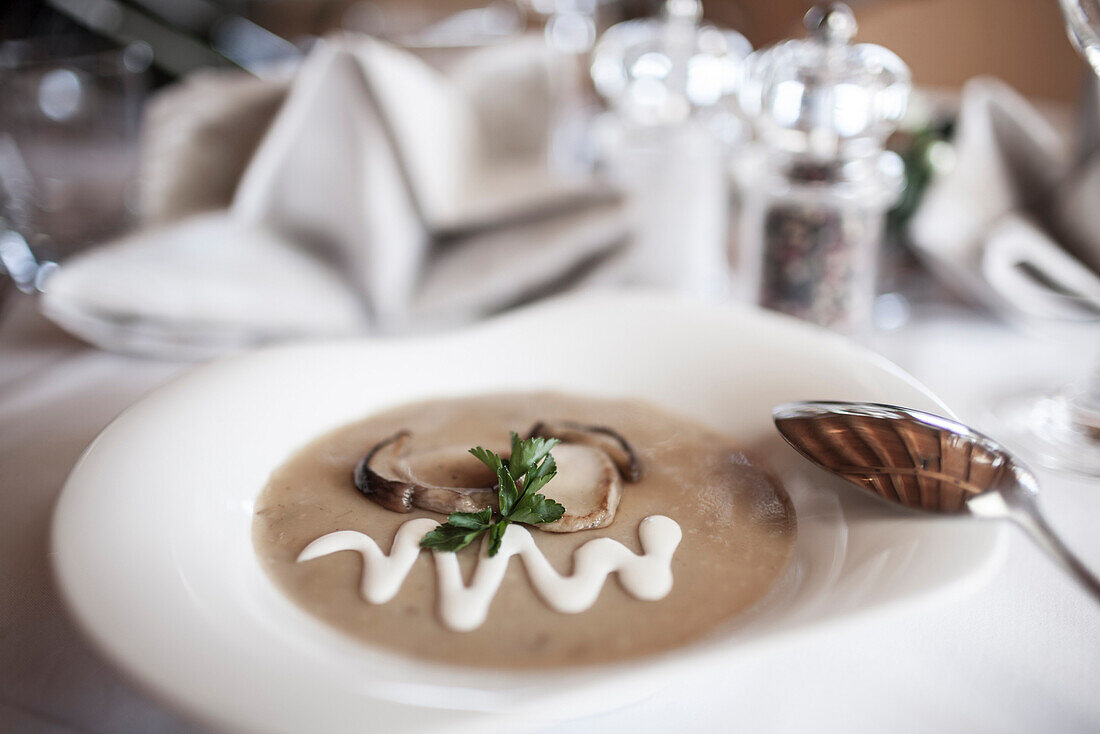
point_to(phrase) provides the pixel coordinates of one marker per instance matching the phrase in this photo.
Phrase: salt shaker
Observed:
(818, 181)
(671, 85)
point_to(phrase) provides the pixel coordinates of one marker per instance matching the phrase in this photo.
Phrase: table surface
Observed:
(1021, 654)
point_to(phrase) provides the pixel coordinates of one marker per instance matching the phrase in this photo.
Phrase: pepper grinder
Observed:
(818, 181)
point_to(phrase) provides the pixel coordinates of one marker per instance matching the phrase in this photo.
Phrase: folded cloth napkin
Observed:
(1002, 214)
(200, 286)
(1026, 267)
(1076, 217)
(199, 136)
(377, 171)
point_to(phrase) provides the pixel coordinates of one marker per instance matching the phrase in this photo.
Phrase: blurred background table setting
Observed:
(185, 179)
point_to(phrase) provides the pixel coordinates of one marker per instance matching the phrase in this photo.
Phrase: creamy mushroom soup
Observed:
(668, 532)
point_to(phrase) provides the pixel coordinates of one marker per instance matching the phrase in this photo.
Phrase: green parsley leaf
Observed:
(537, 478)
(488, 458)
(471, 520)
(518, 501)
(536, 508)
(461, 529)
(448, 537)
(526, 454)
(507, 493)
(496, 536)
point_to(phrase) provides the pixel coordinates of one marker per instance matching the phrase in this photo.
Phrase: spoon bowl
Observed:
(926, 463)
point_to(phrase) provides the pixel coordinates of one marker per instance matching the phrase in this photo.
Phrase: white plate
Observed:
(152, 532)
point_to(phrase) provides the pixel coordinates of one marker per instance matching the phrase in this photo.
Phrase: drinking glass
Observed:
(69, 122)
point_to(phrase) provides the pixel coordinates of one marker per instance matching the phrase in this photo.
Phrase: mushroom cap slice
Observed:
(445, 479)
(588, 485)
(597, 437)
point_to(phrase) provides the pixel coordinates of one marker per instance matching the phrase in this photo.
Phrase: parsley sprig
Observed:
(519, 479)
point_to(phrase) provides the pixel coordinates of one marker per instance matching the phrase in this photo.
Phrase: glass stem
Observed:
(1084, 401)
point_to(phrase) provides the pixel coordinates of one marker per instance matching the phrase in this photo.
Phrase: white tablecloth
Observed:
(1020, 655)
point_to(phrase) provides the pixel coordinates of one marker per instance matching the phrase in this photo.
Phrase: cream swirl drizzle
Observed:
(647, 576)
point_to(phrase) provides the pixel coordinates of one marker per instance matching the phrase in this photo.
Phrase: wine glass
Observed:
(1060, 428)
(1083, 27)
(1054, 293)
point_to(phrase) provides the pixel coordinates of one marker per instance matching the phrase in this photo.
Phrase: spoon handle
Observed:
(1028, 517)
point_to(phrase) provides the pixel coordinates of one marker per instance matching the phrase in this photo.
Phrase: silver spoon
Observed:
(924, 462)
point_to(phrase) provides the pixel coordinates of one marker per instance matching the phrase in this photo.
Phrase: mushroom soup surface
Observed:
(689, 532)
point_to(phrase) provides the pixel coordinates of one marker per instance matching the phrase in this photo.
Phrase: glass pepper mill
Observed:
(818, 182)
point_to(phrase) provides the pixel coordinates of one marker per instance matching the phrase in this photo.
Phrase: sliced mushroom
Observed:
(587, 484)
(442, 480)
(597, 437)
(589, 481)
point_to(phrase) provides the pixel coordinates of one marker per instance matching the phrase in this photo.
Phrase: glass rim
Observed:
(39, 52)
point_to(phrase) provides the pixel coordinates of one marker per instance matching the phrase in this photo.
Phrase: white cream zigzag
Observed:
(647, 576)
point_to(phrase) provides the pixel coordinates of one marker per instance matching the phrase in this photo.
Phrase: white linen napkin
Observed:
(197, 287)
(198, 138)
(1005, 208)
(1027, 268)
(376, 168)
(1077, 211)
